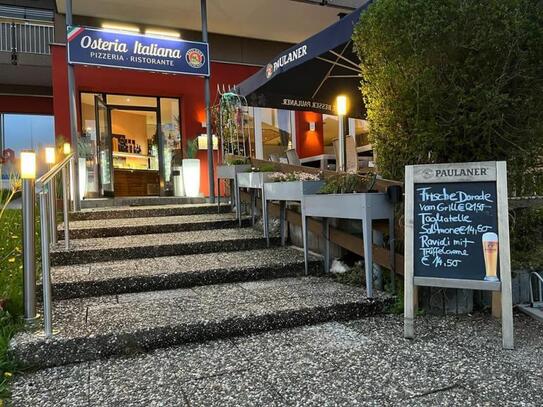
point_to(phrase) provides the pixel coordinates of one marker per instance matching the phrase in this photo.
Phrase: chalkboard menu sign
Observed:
(457, 234)
(453, 222)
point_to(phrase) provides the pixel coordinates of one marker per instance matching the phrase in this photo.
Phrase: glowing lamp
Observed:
(50, 155)
(67, 148)
(28, 164)
(202, 142)
(341, 105)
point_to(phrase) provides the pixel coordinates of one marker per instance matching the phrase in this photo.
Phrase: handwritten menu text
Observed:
(450, 219)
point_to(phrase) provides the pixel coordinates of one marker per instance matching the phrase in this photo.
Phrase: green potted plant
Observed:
(191, 169)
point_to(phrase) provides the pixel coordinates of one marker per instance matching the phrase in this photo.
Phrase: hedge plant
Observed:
(452, 81)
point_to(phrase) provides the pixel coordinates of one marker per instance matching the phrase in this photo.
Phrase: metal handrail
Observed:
(48, 224)
(49, 175)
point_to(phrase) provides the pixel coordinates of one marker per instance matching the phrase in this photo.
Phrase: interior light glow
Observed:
(50, 155)
(162, 33)
(121, 27)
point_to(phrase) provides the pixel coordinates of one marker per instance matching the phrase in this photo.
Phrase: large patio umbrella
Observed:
(309, 75)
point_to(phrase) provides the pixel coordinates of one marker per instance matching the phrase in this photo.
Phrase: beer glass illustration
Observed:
(490, 251)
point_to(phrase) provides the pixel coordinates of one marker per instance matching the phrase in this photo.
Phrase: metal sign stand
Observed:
(463, 173)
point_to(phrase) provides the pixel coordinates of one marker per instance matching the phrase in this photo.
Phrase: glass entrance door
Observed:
(103, 136)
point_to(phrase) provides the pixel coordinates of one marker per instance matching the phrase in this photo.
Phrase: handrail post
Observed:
(71, 181)
(45, 264)
(29, 250)
(53, 212)
(65, 193)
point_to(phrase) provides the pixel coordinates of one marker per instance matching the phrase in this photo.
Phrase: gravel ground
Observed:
(453, 361)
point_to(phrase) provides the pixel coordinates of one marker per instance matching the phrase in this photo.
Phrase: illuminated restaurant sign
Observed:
(116, 49)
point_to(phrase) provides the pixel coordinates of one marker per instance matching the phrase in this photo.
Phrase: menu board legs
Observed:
(457, 235)
(504, 255)
(409, 286)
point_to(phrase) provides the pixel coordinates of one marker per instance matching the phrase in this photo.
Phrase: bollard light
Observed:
(67, 148)
(28, 164)
(50, 155)
(341, 110)
(28, 175)
(341, 105)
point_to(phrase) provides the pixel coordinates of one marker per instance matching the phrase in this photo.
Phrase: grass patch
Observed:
(9, 326)
(11, 289)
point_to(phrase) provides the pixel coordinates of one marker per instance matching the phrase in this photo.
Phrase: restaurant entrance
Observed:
(128, 144)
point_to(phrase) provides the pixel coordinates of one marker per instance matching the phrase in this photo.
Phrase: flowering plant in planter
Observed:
(295, 176)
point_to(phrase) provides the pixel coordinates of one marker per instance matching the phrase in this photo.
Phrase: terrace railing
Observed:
(26, 37)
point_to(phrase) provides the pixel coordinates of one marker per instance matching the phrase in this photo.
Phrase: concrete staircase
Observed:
(141, 278)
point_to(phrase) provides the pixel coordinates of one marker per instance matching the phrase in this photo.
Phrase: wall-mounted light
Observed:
(341, 105)
(50, 155)
(158, 32)
(28, 164)
(311, 126)
(204, 125)
(121, 27)
(202, 142)
(67, 148)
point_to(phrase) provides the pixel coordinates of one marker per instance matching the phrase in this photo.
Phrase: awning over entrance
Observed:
(309, 75)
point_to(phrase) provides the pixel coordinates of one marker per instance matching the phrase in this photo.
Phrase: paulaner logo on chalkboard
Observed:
(461, 172)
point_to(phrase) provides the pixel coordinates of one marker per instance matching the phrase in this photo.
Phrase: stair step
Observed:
(84, 251)
(100, 327)
(147, 211)
(86, 229)
(140, 201)
(164, 273)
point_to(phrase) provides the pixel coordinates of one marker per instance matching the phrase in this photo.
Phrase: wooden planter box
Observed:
(229, 172)
(283, 192)
(362, 206)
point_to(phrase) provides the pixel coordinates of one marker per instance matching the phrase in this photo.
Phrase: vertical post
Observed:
(504, 256)
(326, 235)
(341, 165)
(29, 255)
(65, 208)
(46, 278)
(410, 291)
(50, 158)
(72, 184)
(265, 220)
(210, 172)
(53, 211)
(73, 115)
(368, 255)
(391, 246)
(28, 175)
